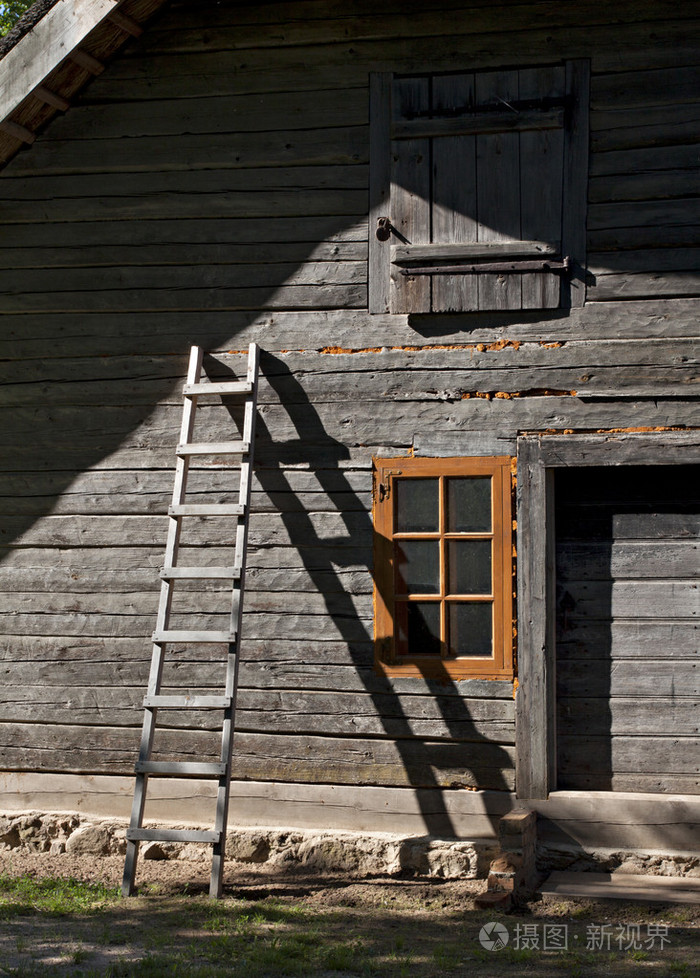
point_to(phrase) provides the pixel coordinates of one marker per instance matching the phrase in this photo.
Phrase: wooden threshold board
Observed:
(622, 886)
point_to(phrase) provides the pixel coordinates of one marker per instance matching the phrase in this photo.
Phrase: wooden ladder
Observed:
(163, 635)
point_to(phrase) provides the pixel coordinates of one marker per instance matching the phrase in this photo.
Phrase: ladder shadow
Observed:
(419, 756)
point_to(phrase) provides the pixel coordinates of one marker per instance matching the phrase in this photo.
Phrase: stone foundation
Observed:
(353, 853)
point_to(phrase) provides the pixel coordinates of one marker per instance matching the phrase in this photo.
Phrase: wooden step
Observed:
(222, 387)
(622, 886)
(181, 769)
(187, 702)
(213, 448)
(201, 573)
(172, 835)
(206, 509)
(213, 638)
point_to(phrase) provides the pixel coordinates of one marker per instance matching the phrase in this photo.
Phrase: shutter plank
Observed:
(573, 236)
(541, 173)
(454, 194)
(410, 193)
(379, 189)
(498, 189)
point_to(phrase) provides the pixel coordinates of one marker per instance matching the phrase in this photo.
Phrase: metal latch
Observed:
(383, 228)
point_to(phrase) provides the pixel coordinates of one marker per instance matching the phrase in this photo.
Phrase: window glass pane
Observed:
(471, 628)
(419, 627)
(417, 505)
(469, 505)
(418, 567)
(469, 566)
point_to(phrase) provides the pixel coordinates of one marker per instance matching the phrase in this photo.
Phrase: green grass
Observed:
(379, 930)
(23, 895)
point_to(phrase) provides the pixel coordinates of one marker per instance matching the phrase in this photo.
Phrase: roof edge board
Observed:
(50, 41)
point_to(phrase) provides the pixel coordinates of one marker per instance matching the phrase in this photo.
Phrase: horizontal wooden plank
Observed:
(273, 711)
(627, 639)
(233, 203)
(633, 88)
(628, 560)
(604, 263)
(296, 147)
(648, 159)
(332, 296)
(243, 114)
(656, 599)
(652, 185)
(627, 677)
(265, 665)
(382, 25)
(630, 755)
(619, 715)
(643, 214)
(290, 758)
(661, 784)
(665, 125)
(162, 333)
(641, 285)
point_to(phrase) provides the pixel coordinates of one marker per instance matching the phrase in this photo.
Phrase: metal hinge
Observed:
(494, 267)
(384, 487)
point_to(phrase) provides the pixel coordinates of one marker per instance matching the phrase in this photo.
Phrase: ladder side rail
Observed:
(164, 604)
(232, 666)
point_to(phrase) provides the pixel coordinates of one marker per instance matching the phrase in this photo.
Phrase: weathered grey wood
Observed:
(43, 48)
(288, 710)
(637, 161)
(648, 214)
(378, 269)
(629, 639)
(677, 716)
(541, 153)
(680, 83)
(652, 678)
(295, 759)
(643, 127)
(643, 186)
(631, 755)
(410, 193)
(498, 190)
(640, 285)
(427, 254)
(289, 147)
(534, 726)
(627, 560)
(573, 235)
(620, 886)
(454, 223)
(493, 122)
(126, 335)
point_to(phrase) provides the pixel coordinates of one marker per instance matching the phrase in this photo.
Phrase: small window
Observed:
(443, 567)
(478, 189)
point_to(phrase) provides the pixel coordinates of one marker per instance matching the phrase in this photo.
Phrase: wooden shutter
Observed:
(478, 189)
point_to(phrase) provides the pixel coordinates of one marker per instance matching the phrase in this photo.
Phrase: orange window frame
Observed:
(386, 472)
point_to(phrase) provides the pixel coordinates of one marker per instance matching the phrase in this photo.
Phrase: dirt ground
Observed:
(278, 923)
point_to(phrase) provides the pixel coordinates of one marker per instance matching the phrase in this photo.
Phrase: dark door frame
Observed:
(537, 457)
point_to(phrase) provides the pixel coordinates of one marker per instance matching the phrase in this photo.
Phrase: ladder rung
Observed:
(224, 387)
(203, 573)
(172, 835)
(174, 636)
(187, 702)
(214, 448)
(206, 509)
(182, 769)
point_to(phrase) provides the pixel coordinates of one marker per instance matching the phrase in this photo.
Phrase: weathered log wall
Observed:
(211, 188)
